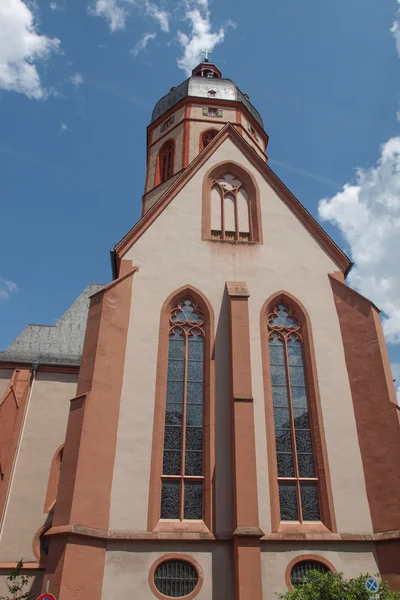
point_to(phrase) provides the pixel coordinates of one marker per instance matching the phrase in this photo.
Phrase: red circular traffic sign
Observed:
(46, 596)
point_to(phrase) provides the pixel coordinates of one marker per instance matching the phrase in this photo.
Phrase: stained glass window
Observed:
(175, 578)
(182, 475)
(167, 154)
(298, 575)
(297, 476)
(230, 209)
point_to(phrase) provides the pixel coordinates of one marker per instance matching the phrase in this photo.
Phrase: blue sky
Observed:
(79, 78)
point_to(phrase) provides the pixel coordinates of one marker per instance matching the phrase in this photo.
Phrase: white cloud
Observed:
(7, 287)
(142, 43)
(367, 213)
(63, 127)
(116, 12)
(396, 376)
(53, 6)
(109, 9)
(161, 16)
(201, 36)
(76, 79)
(396, 32)
(20, 48)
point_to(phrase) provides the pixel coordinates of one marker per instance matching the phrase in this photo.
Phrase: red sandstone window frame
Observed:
(328, 522)
(154, 522)
(165, 165)
(302, 558)
(203, 137)
(175, 556)
(253, 193)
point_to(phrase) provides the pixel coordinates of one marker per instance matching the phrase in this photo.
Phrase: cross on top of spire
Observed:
(206, 54)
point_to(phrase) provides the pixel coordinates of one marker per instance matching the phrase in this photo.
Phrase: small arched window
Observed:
(297, 473)
(230, 210)
(182, 471)
(207, 137)
(166, 161)
(231, 205)
(300, 571)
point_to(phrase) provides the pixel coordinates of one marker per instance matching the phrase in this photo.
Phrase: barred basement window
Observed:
(297, 475)
(298, 575)
(182, 474)
(175, 578)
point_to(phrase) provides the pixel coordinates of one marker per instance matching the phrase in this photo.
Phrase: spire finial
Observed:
(206, 54)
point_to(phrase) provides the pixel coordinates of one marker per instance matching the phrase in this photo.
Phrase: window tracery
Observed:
(230, 209)
(297, 475)
(182, 472)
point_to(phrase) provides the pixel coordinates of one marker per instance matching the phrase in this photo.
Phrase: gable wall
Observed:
(171, 254)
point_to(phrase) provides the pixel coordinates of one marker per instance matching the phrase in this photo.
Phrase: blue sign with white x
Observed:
(372, 584)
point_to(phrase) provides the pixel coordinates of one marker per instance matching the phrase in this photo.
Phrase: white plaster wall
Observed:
(34, 584)
(350, 558)
(171, 254)
(127, 569)
(44, 432)
(157, 133)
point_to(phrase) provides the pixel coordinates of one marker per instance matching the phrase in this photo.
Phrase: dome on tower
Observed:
(206, 82)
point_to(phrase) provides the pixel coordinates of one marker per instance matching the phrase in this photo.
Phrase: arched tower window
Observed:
(297, 475)
(207, 137)
(166, 159)
(231, 208)
(300, 487)
(182, 473)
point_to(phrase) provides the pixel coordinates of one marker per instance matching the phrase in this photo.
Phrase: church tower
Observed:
(229, 421)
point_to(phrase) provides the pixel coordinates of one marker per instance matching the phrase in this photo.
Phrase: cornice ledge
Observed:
(248, 532)
(381, 536)
(116, 534)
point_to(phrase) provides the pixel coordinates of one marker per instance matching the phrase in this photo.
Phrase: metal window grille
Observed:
(175, 578)
(298, 576)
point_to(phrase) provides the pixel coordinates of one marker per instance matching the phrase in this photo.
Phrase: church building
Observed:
(221, 417)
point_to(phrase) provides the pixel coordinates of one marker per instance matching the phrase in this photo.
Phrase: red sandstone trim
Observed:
(286, 196)
(175, 556)
(246, 548)
(12, 412)
(374, 402)
(90, 444)
(25, 565)
(301, 558)
(229, 104)
(119, 535)
(316, 419)
(54, 478)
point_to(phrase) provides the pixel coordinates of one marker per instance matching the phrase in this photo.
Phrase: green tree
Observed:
(333, 586)
(16, 582)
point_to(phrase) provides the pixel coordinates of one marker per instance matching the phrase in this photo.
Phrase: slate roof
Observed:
(58, 344)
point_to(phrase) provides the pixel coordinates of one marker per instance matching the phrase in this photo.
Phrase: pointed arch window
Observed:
(207, 137)
(230, 209)
(295, 454)
(182, 471)
(166, 160)
(231, 205)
